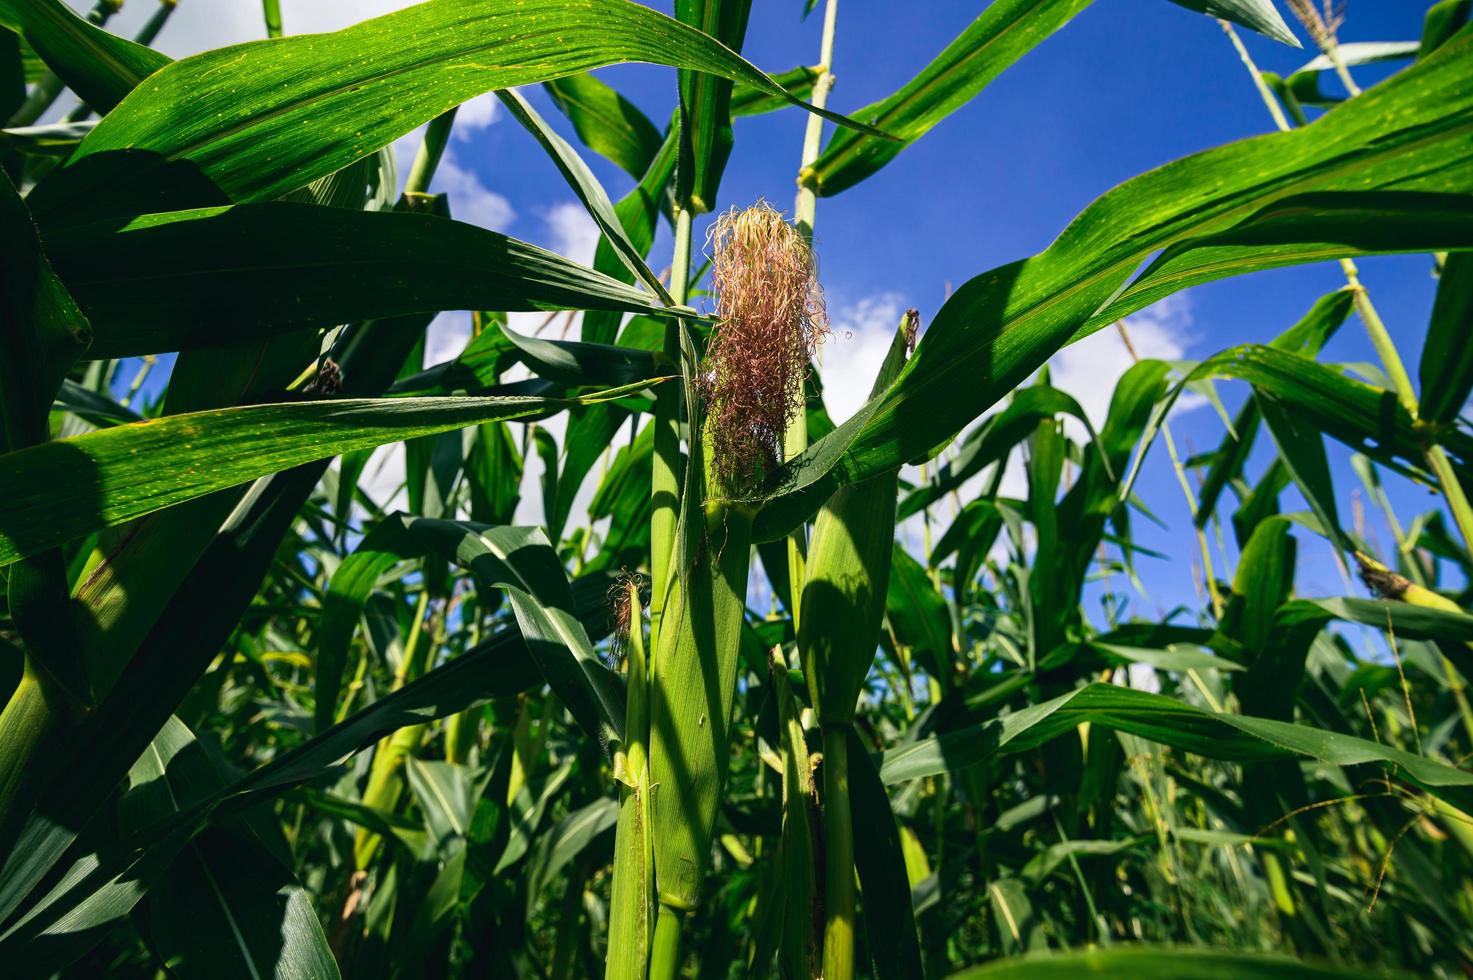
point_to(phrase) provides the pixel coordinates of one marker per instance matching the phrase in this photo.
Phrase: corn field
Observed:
(767, 692)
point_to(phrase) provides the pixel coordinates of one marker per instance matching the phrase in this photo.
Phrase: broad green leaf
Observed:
(1364, 53)
(1256, 15)
(1302, 449)
(1233, 738)
(447, 795)
(1446, 372)
(227, 906)
(1003, 33)
(1305, 228)
(290, 266)
(889, 916)
(519, 560)
(582, 182)
(705, 104)
(638, 213)
(564, 842)
(998, 328)
(1315, 396)
(1443, 20)
(132, 470)
(1307, 336)
(918, 615)
(41, 336)
(100, 67)
(993, 440)
(749, 101)
(1171, 658)
(607, 123)
(1155, 963)
(221, 905)
(251, 122)
(580, 364)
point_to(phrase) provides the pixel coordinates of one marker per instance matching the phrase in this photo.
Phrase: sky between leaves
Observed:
(1127, 86)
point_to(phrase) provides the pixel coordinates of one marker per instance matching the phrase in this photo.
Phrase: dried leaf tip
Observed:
(771, 319)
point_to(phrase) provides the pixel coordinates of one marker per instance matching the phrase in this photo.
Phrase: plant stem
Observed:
(665, 480)
(665, 950)
(272, 11)
(838, 933)
(1269, 101)
(1380, 337)
(384, 781)
(803, 209)
(431, 149)
(795, 438)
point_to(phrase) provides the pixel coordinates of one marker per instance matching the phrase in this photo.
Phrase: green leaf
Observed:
(918, 614)
(1446, 372)
(253, 121)
(1307, 336)
(227, 906)
(638, 213)
(1256, 15)
(1443, 20)
(291, 266)
(579, 364)
(98, 66)
(499, 667)
(1005, 32)
(993, 440)
(607, 123)
(1302, 449)
(749, 101)
(705, 104)
(519, 560)
(223, 905)
(1233, 738)
(998, 328)
(557, 848)
(889, 916)
(41, 336)
(1305, 228)
(447, 795)
(582, 182)
(1364, 53)
(76, 486)
(1172, 657)
(1154, 963)
(1316, 398)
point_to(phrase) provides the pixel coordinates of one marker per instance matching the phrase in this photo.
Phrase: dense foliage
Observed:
(259, 723)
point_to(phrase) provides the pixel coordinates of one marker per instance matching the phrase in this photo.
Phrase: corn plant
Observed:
(260, 721)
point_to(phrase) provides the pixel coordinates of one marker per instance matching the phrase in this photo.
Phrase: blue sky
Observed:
(1127, 86)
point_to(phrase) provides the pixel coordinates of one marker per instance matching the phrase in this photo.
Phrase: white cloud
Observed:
(572, 232)
(851, 356)
(1090, 369)
(446, 336)
(470, 200)
(476, 115)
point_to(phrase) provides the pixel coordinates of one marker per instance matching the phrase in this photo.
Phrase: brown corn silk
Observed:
(771, 316)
